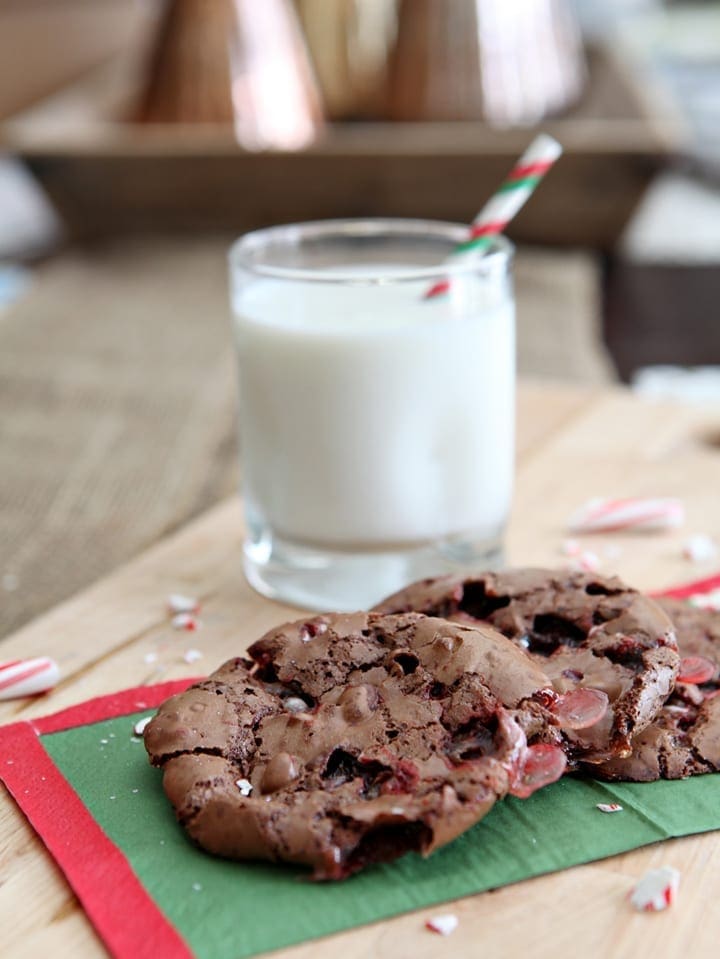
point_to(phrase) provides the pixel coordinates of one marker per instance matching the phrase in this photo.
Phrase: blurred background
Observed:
(137, 137)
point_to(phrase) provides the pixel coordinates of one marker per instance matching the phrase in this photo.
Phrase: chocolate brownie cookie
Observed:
(345, 740)
(610, 652)
(684, 740)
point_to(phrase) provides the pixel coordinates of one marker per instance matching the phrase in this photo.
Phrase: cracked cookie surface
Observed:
(684, 739)
(344, 740)
(587, 632)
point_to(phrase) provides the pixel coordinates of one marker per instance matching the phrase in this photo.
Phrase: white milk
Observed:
(372, 418)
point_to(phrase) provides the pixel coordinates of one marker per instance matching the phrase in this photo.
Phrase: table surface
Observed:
(573, 444)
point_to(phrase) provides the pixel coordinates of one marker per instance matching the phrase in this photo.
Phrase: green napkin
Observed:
(227, 910)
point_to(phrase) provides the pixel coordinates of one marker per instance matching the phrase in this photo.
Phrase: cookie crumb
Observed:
(656, 890)
(609, 807)
(141, 725)
(177, 603)
(443, 925)
(245, 786)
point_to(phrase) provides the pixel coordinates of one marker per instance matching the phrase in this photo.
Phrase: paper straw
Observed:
(507, 200)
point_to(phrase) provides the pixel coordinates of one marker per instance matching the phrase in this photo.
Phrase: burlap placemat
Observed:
(116, 413)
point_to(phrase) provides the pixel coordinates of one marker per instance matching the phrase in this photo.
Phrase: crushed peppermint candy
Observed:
(570, 547)
(696, 669)
(444, 925)
(141, 725)
(656, 890)
(587, 561)
(177, 603)
(185, 621)
(700, 548)
(245, 786)
(295, 704)
(609, 807)
(192, 655)
(150, 658)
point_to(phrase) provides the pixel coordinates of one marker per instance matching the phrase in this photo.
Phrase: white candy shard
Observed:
(444, 925)
(244, 785)
(177, 603)
(150, 658)
(700, 548)
(656, 890)
(609, 807)
(605, 515)
(192, 655)
(27, 677)
(296, 705)
(140, 725)
(184, 621)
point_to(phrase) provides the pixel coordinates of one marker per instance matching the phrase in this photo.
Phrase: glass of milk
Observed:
(376, 424)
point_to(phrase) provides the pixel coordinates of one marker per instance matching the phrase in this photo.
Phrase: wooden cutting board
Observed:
(573, 444)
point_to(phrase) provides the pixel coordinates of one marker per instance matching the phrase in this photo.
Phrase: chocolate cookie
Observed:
(684, 740)
(345, 740)
(610, 652)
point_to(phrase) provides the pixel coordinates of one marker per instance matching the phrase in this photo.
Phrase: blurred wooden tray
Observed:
(107, 176)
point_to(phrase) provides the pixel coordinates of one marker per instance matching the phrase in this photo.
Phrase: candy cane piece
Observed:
(27, 677)
(656, 890)
(607, 515)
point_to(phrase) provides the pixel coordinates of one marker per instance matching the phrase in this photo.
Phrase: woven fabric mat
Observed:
(117, 400)
(116, 413)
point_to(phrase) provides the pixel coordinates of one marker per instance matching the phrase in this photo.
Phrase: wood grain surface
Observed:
(573, 444)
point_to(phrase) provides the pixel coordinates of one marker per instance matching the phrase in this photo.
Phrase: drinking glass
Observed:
(376, 421)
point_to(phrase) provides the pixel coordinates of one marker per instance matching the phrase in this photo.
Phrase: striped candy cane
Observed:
(507, 200)
(26, 677)
(607, 515)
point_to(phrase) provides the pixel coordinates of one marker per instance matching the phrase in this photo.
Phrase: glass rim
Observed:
(240, 254)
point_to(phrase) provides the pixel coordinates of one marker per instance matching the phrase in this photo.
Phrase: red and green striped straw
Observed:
(511, 195)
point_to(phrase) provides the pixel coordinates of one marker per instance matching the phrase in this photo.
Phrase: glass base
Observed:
(332, 580)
